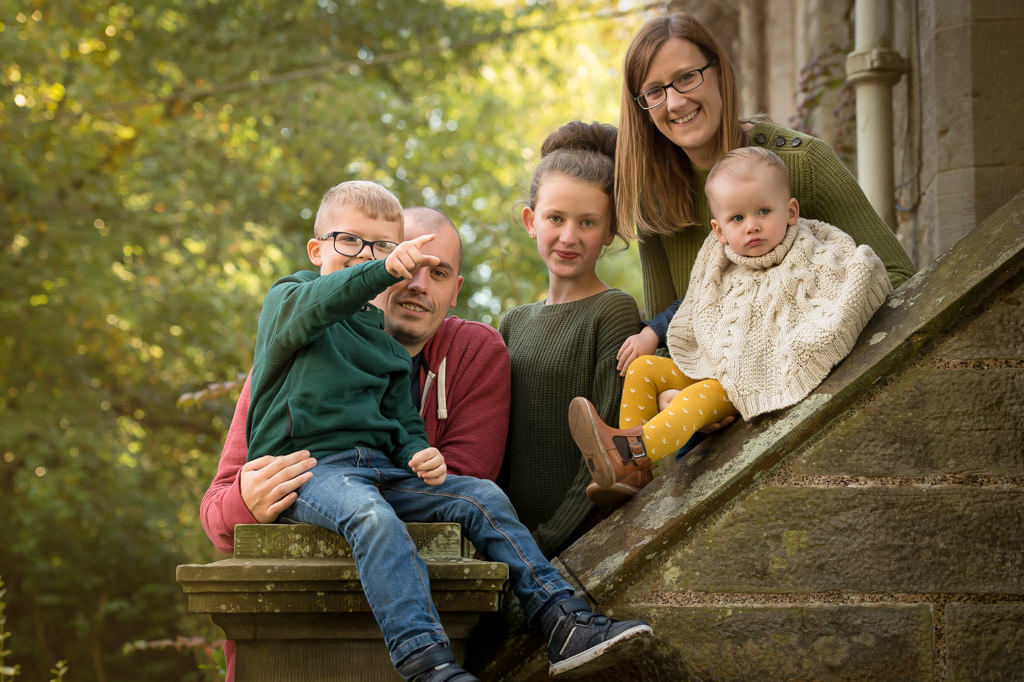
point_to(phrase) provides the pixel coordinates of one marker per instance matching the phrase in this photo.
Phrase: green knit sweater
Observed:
(826, 190)
(559, 352)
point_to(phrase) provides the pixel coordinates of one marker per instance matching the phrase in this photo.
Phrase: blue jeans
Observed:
(361, 495)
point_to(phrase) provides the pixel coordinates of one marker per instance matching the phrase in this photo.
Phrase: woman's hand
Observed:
(665, 397)
(644, 342)
(721, 423)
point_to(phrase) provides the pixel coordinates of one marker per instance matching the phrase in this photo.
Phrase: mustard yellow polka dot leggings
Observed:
(698, 404)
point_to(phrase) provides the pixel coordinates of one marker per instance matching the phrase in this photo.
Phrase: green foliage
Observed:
(7, 672)
(58, 671)
(162, 163)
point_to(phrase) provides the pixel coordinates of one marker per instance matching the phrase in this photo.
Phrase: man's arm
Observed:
(253, 492)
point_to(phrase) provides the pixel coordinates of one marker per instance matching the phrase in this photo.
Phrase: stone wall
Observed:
(873, 531)
(956, 125)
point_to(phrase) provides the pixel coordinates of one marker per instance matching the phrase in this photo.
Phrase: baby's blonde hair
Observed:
(745, 161)
(368, 197)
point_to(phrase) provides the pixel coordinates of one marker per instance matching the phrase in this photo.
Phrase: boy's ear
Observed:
(718, 231)
(792, 211)
(528, 222)
(313, 249)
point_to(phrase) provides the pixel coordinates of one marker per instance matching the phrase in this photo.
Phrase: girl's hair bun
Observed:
(577, 135)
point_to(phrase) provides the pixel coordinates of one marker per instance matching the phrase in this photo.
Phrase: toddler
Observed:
(773, 303)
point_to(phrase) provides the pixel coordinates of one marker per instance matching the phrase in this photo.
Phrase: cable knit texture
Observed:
(771, 328)
(826, 191)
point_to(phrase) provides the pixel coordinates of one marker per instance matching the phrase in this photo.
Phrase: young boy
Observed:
(328, 378)
(774, 302)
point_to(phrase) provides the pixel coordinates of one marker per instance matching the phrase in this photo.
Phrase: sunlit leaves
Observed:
(161, 166)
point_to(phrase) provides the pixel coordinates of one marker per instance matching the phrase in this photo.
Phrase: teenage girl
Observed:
(565, 345)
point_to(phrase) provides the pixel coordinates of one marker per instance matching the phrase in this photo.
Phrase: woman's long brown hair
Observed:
(653, 185)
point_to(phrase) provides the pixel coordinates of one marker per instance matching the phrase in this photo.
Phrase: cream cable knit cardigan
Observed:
(771, 328)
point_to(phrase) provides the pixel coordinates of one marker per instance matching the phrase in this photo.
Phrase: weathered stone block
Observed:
(786, 642)
(996, 334)
(998, 137)
(929, 421)
(292, 601)
(984, 642)
(295, 540)
(327, 585)
(857, 540)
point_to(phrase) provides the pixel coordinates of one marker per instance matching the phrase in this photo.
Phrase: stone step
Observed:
(304, 541)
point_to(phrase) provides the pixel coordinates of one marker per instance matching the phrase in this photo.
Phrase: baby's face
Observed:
(751, 212)
(354, 224)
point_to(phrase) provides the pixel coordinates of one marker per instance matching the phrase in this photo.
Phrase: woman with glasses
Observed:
(679, 116)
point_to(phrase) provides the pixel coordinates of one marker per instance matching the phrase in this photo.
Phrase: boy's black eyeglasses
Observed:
(683, 83)
(348, 244)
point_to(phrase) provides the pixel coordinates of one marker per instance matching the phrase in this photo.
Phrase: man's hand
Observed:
(268, 484)
(644, 342)
(429, 465)
(407, 257)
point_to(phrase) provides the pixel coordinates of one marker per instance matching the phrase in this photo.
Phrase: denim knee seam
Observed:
(545, 588)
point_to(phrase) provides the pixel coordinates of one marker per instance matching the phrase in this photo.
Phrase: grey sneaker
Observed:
(581, 641)
(435, 663)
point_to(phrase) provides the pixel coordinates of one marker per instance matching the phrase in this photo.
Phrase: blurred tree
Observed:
(161, 166)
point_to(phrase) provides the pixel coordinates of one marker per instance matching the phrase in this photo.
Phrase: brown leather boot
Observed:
(611, 454)
(620, 491)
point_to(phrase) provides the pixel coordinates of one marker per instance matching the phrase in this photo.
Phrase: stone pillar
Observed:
(291, 599)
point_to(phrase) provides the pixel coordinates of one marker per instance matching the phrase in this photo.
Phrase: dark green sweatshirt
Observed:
(326, 376)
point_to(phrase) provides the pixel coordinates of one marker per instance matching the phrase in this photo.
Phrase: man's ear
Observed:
(718, 231)
(313, 247)
(528, 222)
(792, 211)
(455, 294)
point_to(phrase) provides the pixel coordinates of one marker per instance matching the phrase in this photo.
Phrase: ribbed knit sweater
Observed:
(559, 352)
(826, 190)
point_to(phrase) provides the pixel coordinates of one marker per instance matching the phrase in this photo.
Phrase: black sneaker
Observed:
(581, 641)
(435, 663)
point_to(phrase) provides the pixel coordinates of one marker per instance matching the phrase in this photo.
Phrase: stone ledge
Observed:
(327, 585)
